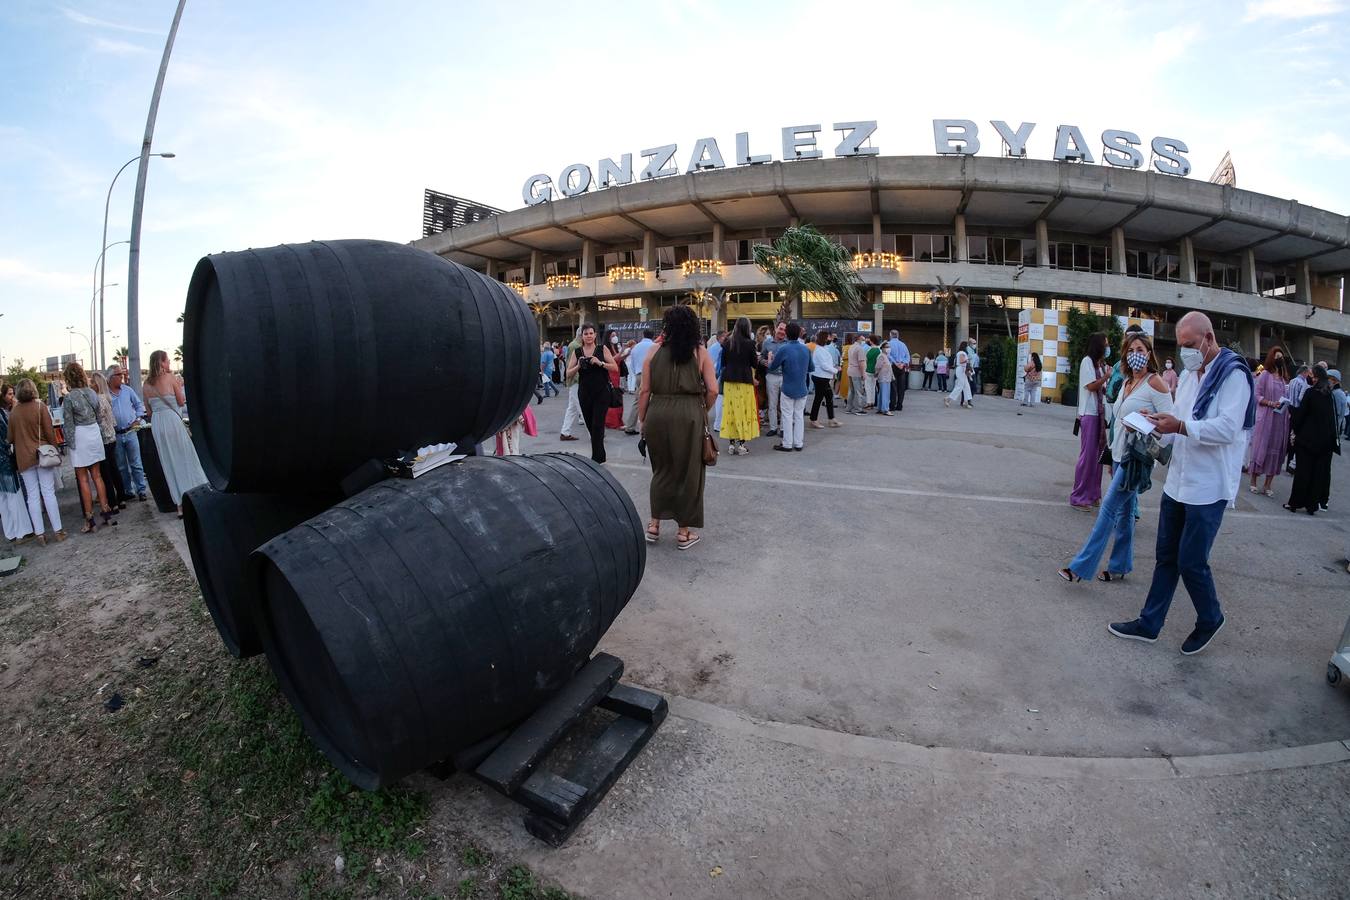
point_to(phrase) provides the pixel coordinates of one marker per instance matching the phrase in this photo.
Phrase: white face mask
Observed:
(1191, 359)
(1169, 364)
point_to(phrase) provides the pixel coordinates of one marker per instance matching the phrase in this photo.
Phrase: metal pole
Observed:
(99, 267)
(133, 265)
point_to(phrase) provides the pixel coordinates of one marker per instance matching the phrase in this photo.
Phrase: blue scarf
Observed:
(1224, 364)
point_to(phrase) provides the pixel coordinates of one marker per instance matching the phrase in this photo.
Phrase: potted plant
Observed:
(1008, 381)
(991, 366)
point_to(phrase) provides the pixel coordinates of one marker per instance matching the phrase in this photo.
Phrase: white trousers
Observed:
(37, 480)
(773, 386)
(794, 421)
(717, 413)
(962, 390)
(870, 388)
(573, 414)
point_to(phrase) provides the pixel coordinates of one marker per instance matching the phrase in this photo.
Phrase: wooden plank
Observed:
(596, 771)
(551, 795)
(515, 758)
(635, 702)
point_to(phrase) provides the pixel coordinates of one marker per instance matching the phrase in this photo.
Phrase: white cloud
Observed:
(120, 48)
(81, 19)
(1291, 9)
(1332, 145)
(1174, 42)
(22, 275)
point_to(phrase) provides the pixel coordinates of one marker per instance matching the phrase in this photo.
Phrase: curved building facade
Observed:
(1011, 233)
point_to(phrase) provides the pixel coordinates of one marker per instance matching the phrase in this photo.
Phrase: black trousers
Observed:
(112, 479)
(898, 388)
(824, 391)
(927, 381)
(594, 408)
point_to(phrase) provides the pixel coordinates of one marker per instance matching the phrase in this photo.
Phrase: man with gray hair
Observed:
(898, 354)
(1215, 411)
(127, 411)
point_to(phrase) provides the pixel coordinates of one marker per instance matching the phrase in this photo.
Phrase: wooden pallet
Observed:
(558, 803)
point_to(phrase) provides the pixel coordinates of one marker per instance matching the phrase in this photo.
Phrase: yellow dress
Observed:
(740, 416)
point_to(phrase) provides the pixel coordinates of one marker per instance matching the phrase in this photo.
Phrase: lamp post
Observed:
(98, 271)
(70, 330)
(97, 362)
(134, 255)
(100, 265)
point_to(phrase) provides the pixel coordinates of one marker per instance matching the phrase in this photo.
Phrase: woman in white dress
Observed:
(961, 392)
(177, 457)
(84, 438)
(13, 513)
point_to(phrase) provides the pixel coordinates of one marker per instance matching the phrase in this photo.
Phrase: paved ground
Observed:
(880, 687)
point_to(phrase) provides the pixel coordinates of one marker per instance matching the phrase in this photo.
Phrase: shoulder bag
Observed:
(48, 457)
(709, 442)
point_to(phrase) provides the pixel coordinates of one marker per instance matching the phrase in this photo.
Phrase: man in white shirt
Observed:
(635, 360)
(1215, 411)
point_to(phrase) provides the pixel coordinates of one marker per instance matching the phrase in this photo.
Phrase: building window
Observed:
(977, 249)
(616, 303)
(909, 297)
(1275, 282)
(1078, 257)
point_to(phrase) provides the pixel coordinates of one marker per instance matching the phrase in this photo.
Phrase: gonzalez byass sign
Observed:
(951, 137)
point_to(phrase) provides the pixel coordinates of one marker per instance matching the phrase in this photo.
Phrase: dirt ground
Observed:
(139, 759)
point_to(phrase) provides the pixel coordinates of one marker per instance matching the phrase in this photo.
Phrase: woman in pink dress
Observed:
(614, 418)
(1270, 437)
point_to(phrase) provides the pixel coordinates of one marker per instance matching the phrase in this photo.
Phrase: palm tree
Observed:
(178, 354)
(947, 295)
(122, 352)
(805, 260)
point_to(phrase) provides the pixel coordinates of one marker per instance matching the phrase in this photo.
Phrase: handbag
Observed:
(615, 397)
(710, 450)
(1105, 459)
(1077, 425)
(48, 457)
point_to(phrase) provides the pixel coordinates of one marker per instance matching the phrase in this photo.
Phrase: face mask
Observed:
(613, 340)
(1169, 364)
(1107, 354)
(1136, 360)
(1192, 359)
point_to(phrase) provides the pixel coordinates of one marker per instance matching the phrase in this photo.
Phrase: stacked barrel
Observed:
(416, 617)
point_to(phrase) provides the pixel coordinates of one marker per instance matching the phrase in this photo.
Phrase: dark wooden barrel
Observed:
(222, 530)
(419, 617)
(154, 471)
(303, 361)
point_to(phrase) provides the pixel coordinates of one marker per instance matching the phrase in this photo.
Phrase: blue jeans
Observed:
(1114, 518)
(129, 463)
(884, 401)
(549, 387)
(1185, 535)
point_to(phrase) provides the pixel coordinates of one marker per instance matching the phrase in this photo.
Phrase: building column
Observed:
(795, 311)
(962, 249)
(962, 321)
(1249, 336)
(876, 232)
(1118, 251)
(1303, 282)
(590, 314)
(1247, 272)
(649, 250)
(490, 268)
(587, 259)
(536, 267)
(1042, 244)
(718, 238)
(1343, 360)
(877, 324)
(1187, 261)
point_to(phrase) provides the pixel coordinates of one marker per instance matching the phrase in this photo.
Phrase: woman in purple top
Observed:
(1270, 437)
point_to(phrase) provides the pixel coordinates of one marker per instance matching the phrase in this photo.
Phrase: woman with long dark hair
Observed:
(740, 412)
(614, 417)
(1031, 380)
(177, 457)
(1314, 424)
(1270, 437)
(1092, 376)
(592, 363)
(678, 386)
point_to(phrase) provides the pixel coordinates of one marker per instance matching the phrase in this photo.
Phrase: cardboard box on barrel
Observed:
(442, 622)
(1046, 331)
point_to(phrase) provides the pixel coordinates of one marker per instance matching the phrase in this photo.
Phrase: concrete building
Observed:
(1014, 232)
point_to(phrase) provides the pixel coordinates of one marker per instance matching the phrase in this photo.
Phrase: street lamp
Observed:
(101, 264)
(98, 271)
(70, 329)
(98, 294)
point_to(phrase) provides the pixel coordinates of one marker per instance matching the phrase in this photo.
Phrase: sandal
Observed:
(653, 533)
(108, 518)
(689, 539)
(89, 526)
(1068, 575)
(1254, 489)
(1269, 492)
(1108, 577)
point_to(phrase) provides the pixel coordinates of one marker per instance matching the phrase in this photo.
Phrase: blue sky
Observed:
(306, 120)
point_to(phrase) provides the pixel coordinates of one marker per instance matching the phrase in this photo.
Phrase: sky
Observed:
(305, 120)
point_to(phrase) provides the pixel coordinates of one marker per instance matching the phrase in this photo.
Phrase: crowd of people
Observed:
(100, 417)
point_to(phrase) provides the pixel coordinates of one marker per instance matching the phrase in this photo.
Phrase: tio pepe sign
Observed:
(951, 137)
